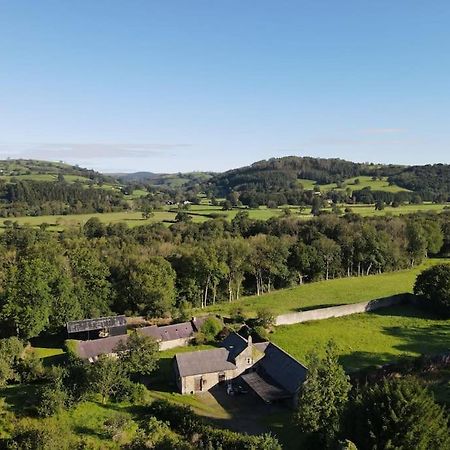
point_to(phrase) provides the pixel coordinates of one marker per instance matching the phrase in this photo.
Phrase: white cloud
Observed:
(88, 151)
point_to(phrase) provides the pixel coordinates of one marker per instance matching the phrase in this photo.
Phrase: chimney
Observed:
(249, 341)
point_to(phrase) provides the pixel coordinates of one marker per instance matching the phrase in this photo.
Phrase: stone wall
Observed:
(343, 310)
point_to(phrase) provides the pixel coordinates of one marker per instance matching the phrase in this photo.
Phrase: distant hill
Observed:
(31, 169)
(292, 180)
(31, 188)
(174, 180)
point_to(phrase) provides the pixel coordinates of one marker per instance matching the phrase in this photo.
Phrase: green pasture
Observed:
(203, 212)
(59, 223)
(368, 339)
(340, 291)
(308, 185)
(369, 210)
(364, 182)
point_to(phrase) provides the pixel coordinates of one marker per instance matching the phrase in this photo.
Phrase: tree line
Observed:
(49, 278)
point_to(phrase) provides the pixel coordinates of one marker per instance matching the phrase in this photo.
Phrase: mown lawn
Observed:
(328, 293)
(368, 339)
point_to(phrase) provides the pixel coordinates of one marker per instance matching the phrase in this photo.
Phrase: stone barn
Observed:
(267, 369)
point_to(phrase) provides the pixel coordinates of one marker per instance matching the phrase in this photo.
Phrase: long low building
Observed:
(268, 370)
(98, 328)
(169, 336)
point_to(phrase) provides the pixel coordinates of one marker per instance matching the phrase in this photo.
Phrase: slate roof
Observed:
(169, 332)
(235, 344)
(278, 375)
(282, 368)
(92, 349)
(268, 391)
(99, 323)
(205, 361)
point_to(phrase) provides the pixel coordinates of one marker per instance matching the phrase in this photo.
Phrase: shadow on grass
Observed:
(55, 360)
(163, 379)
(357, 360)
(49, 341)
(405, 311)
(324, 305)
(21, 399)
(429, 338)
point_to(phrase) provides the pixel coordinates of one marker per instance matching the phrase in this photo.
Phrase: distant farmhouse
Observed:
(269, 371)
(169, 336)
(101, 327)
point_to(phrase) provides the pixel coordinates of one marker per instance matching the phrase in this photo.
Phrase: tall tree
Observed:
(323, 396)
(138, 354)
(27, 298)
(149, 286)
(397, 414)
(90, 275)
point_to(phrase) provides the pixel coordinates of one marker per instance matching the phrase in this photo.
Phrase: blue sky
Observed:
(170, 86)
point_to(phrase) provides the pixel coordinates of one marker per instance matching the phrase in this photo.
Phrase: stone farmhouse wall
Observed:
(343, 310)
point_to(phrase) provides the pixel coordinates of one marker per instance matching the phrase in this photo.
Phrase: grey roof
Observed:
(169, 332)
(92, 349)
(99, 323)
(282, 368)
(204, 361)
(235, 344)
(268, 391)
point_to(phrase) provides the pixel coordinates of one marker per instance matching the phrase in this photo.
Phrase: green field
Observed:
(329, 293)
(369, 210)
(364, 182)
(368, 339)
(203, 212)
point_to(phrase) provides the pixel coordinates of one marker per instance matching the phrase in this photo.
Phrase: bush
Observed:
(237, 314)
(433, 288)
(52, 400)
(115, 426)
(128, 391)
(45, 435)
(31, 369)
(181, 418)
(265, 318)
(11, 350)
(211, 328)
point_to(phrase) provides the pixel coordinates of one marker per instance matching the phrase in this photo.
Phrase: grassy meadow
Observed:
(364, 182)
(335, 292)
(370, 338)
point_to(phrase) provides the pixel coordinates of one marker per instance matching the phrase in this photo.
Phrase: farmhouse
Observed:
(100, 327)
(268, 370)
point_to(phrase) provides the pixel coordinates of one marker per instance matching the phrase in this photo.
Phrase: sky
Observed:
(177, 85)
